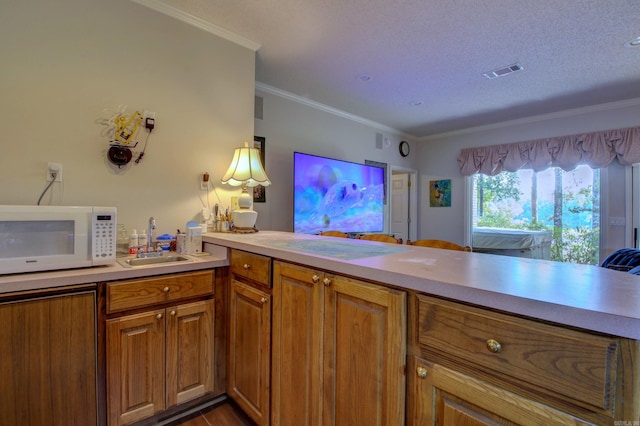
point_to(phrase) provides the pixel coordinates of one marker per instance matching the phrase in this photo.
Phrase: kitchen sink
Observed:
(134, 262)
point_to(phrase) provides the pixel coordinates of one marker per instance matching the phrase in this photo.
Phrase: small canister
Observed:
(164, 241)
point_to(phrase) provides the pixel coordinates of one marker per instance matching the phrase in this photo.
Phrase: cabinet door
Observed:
(189, 351)
(445, 397)
(135, 366)
(296, 375)
(250, 350)
(364, 354)
(48, 361)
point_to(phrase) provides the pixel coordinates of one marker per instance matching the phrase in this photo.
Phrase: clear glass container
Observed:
(122, 240)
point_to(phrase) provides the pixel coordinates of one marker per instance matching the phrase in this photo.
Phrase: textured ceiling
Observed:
(435, 52)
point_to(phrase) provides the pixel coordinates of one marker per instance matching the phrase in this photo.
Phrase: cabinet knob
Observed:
(327, 282)
(315, 278)
(246, 266)
(421, 372)
(159, 316)
(173, 313)
(494, 346)
(263, 300)
(166, 289)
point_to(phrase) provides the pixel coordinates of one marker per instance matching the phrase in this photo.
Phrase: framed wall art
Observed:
(440, 193)
(259, 195)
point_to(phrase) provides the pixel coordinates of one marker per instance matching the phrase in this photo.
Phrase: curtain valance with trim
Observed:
(596, 149)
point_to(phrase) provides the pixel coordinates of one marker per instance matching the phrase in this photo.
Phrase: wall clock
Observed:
(404, 148)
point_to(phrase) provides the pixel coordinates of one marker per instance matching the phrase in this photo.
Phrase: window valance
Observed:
(596, 149)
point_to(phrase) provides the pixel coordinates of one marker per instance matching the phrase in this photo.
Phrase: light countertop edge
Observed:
(582, 296)
(68, 277)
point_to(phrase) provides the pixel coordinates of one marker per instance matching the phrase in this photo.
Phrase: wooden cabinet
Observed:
(48, 360)
(447, 397)
(159, 357)
(250, 334)
(135, 366)
(474, 366)
(338, 350)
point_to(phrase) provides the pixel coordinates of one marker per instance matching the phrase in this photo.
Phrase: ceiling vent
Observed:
(500, 72)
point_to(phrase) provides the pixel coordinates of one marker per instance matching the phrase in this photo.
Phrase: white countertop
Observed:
(588, 297)
(44, 280)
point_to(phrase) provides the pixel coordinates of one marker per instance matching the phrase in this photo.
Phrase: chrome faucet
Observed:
(152, 226)
(148, 251)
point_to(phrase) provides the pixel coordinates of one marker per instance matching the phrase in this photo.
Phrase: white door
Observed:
(400, 205)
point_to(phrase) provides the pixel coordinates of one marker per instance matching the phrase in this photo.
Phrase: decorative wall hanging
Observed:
(440, 193)
(121, 129)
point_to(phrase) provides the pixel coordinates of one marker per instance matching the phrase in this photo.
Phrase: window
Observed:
(552, 214)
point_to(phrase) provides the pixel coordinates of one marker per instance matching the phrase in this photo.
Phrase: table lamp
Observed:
(246, 171)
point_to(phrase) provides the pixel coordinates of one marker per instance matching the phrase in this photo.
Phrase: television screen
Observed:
(332, 194)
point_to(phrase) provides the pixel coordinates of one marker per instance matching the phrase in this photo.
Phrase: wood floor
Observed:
(225, 414)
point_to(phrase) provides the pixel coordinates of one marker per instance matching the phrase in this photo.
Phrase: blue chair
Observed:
(626, 260)
(635, 271)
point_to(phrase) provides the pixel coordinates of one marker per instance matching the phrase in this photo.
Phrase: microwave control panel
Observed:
(103, 225)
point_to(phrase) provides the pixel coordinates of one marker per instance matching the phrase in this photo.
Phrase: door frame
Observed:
(413, 199)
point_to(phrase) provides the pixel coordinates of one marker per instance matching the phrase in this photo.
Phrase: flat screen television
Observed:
(331, 194)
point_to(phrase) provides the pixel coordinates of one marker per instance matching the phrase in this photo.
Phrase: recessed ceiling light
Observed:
(364, 77)
(633, 43)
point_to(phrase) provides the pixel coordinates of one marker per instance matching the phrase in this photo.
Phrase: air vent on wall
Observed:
(378, 140)
(500, 72)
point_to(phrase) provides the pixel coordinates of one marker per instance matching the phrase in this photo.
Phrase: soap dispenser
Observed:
(133, 242)
(143, 240)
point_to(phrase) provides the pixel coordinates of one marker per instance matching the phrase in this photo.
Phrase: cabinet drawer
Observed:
(129, 294)
(251, 266)
(568, 362)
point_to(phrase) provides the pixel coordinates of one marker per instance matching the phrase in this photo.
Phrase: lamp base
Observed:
(238, 230)
(244, 218)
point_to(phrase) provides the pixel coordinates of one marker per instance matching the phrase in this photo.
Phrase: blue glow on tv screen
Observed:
(332, 194)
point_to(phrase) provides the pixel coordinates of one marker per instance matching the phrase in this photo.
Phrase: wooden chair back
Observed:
(380, 237)
(334, 234)
(439, 244)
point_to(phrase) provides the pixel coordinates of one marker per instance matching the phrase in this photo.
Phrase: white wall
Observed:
(438, 158)
(63, 62)
(290, 126)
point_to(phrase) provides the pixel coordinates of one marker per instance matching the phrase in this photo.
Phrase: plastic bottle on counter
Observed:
(133, 242)
(143, 240)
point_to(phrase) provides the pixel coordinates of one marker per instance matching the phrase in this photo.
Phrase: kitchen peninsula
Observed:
(487, 337)
(588, 297)
(309, 329)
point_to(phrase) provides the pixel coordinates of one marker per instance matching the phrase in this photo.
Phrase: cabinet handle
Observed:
(173, 313)
(263, 300)
(327, 282)
(421, 372)
(494, 346)
(246, 266)
(315, 278)
(166, 289)
(159, 316)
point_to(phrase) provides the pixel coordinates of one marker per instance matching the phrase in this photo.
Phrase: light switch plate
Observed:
(234, 203)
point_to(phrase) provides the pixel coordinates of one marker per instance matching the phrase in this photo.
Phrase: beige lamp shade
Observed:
(245, 170)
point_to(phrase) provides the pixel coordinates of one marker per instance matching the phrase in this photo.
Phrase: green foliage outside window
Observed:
(503, 203)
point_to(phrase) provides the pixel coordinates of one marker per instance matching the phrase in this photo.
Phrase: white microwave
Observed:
(43, 238)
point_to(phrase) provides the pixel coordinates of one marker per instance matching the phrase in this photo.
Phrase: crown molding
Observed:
(176, 13)
(537, 118)
(322, 107)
